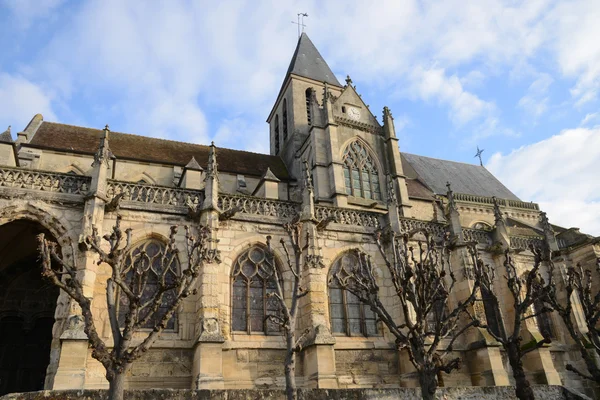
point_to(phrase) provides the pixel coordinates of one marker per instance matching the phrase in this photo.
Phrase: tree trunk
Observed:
(428, 381)
(523, 389)
(116, 386)
(290, 374)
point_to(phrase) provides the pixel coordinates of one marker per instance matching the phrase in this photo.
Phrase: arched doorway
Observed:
(27, 304)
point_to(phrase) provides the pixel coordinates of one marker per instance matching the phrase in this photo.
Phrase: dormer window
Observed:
(360, 173)
(285, 121)
(276, 134)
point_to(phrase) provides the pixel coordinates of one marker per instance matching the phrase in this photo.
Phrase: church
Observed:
(61, 180)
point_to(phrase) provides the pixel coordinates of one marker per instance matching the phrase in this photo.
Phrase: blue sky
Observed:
(520, 79)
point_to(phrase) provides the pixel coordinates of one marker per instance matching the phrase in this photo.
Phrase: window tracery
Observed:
(347, 314)
(360, 172)
(252, 282)
(308, 112)
(152, 256)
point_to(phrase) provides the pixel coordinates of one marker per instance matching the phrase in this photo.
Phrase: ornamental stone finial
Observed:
(308, 184)
(103, 153)
(211, 169)
(348, 80)
(386, 113)
(450, 196)
(497, 211)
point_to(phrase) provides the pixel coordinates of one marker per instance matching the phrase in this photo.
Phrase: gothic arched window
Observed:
(276, 133)
(360, 173)
(492, 313)
(252, 281)
(154, 257)
(308, 112)
(285, 121)
(348, 315)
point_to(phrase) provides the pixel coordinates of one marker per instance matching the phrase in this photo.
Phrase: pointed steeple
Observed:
(5, 136)
(308, 62)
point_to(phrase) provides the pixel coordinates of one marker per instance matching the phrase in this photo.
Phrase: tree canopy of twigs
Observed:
(423, 279)
(580, 282)
(526, 289)
(287, 319)
(127, 285)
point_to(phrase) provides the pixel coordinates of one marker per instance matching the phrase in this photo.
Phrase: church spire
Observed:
(308, 62)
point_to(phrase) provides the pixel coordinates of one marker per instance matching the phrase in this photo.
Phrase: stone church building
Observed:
(61, 179)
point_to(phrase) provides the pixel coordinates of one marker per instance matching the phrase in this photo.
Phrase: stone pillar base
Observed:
(319, 367)
(486, 367)
(70, 373)
(207, 371)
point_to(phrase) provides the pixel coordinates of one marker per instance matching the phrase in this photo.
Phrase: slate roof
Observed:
(69, 138)
(308, 62)
(464, 178)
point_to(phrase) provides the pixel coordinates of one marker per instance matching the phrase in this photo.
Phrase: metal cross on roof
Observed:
(479, 155)
(300, 23)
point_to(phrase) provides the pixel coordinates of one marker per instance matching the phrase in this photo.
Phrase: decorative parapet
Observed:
(377, 130)
(349, 217)
(409, 224)
(469, 198)
(154, 194)
(523, 243)
(258, 206)
(44, 181)
(477, 235)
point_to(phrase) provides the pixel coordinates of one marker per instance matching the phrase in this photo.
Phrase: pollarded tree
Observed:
(526, 289)
(423, 280)
(287, 319)
(581, 283)
(143, 291)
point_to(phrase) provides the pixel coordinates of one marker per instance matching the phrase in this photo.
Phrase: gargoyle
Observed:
(322, 224)
(228, 214)
(114, 204)
(193, 210)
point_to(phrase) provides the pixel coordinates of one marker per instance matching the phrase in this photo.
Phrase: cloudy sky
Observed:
(520, 79)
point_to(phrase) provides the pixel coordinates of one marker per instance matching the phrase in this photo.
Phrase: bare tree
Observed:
(146, 291)
(580, 282)
(423, 279)
(526, 290)
(287, 319)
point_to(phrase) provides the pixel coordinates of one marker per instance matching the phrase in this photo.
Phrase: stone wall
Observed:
(464, 393)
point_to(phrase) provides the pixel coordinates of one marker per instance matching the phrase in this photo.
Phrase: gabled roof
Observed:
(464, 178)
(308, 62)
(69, 138)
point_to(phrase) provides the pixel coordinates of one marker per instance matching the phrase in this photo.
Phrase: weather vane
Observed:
(300, 23)
(479, 155)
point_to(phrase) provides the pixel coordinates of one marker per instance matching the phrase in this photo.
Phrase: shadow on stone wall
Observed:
(464, 393)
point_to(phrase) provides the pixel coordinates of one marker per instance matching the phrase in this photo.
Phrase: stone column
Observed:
(336, 172)
(207, 369)
(70, 373)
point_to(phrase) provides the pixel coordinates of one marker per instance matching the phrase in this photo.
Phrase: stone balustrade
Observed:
(469, 198)
(154, 194)
(346, 216)
(477, 235)
(258, 206)
(44, 181)
(523, 243)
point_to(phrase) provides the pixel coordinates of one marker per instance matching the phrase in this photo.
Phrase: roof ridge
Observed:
(161, 139)
(443, 159)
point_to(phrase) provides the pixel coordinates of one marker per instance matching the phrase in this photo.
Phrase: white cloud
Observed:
(590, 117)
(433, 83)
(535, 102)
(560, 173)
(20, 100)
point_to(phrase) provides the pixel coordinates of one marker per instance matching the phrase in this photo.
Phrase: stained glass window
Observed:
(360, 173)
(153, 257)
(252, 281)
(348, 315)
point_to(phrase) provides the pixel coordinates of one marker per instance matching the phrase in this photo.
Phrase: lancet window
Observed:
(308, 111)
(492, 313)
(347, 314)
(154, 257)
(276, 133)
(252, 282)
(285, 121)
(360, 172)
(543, 320)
